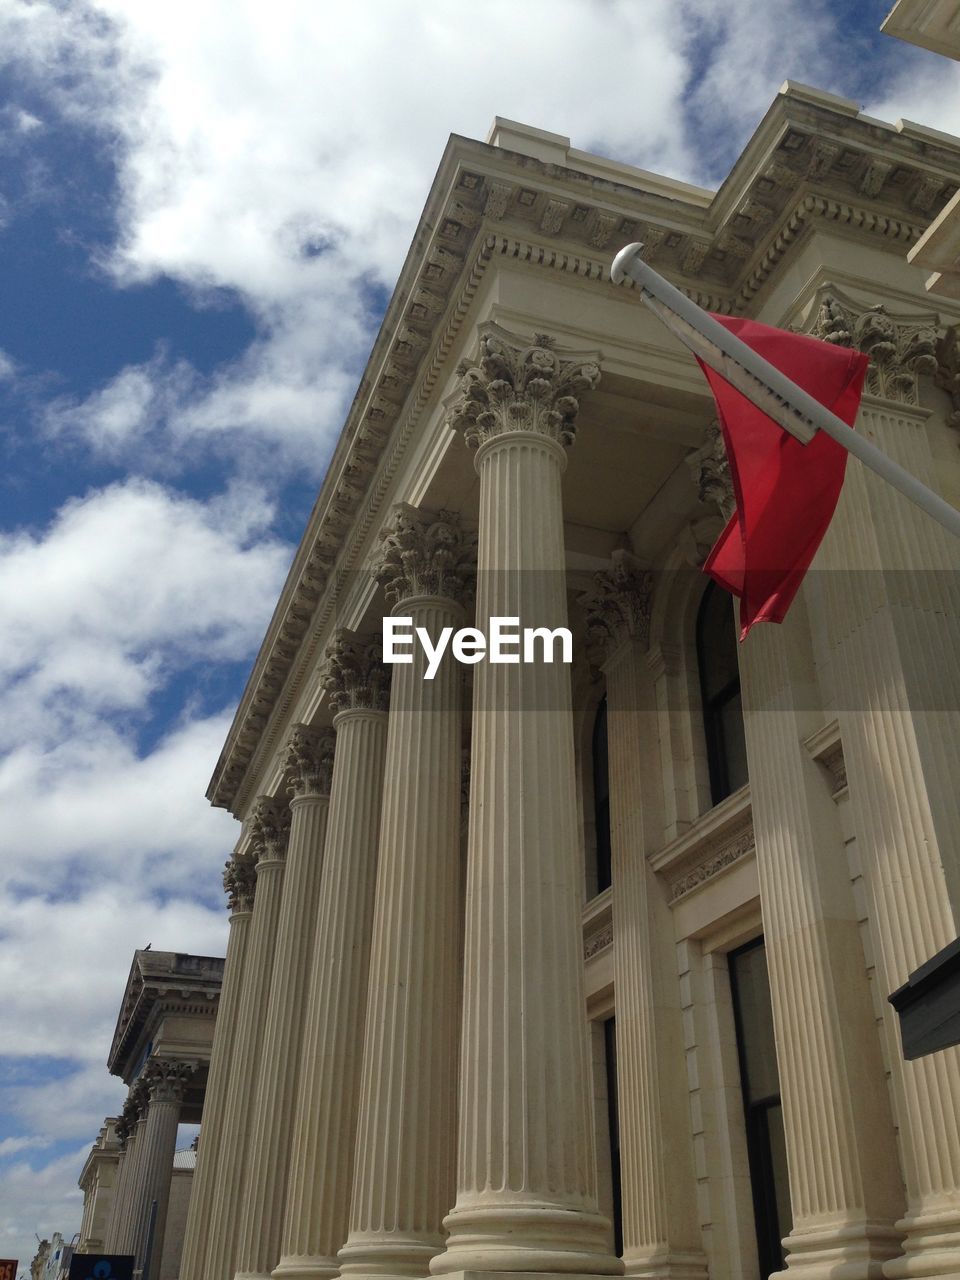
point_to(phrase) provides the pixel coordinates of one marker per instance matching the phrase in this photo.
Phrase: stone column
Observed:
(845, 1188)
(324, 1130)
(166, 1081)
(406, 1141)
(309, 765)
(527, 1182)
(239, 882)
(126, 1132)
(888, 625)
(661, 1231)
(125, 1229)
(269, 829)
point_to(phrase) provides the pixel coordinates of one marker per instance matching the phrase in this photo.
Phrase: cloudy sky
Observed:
(203, 208)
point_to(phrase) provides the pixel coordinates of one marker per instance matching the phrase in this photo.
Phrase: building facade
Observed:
(582, 968)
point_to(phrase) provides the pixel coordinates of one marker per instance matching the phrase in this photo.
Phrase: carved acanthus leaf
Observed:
(269, 828)
(618, 605)
(425, 554)
(711, 472)
(521, 385)
(309, 760)
(240, 883)
(901, 348)
(947, 376)
(353, 674)
(167, 1078)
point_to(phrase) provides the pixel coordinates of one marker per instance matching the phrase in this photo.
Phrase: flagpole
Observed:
(763, 384)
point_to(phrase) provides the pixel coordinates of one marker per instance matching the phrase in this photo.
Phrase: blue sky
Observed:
(203, 209)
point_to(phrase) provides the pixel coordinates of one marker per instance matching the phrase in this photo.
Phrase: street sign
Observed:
(8, 1269)
(99, 1266)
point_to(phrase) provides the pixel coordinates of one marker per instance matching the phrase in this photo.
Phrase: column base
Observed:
(252, 1275)
(306, 1268)
(665, 1265)
(931, 1247)
(526, 1238)
(378, 1256)
(851, 1251)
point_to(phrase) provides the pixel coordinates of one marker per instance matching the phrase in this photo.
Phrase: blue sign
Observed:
(92, 1266)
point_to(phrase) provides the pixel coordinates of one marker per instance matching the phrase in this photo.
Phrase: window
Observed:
(720, 693)
(601, 797)
(613, 1121)
(763, 1114)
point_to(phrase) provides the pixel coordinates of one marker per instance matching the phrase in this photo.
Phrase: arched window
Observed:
(720, 692)
(601, 796)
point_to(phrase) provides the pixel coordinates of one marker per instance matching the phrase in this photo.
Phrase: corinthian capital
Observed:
(269, 828)
(240, 883)
(425, 554)
(310, 760)
(353, 674)
(167, 1078)
(901, 347)
(711, 471)
(521, 385)
(618, 605)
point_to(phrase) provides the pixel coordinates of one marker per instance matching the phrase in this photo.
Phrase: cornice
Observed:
(812, 157)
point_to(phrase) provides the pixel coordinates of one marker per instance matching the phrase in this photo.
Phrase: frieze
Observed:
(596, 942)
(721, 854)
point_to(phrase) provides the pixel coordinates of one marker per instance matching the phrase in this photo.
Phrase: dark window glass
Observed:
(720, 693)
(613, 1120)
(763, 1115)
(601, 797)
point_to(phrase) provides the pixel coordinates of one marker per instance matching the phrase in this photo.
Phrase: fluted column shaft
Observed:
(126, 1228)
(215, 1095)
(661, 1234)
(844, 1183)
(526, 1197)
(249, 1046)
(158, 1143)
(404, 1179)
(122, 1195)
(324, 1131)
(891, 633)
(277, 1092)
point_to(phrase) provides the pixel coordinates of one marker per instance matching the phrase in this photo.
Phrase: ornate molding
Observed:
(711, 472)
(309, 760)
(717, 856)
(240, 883)
(947, 376)
(167, 1078)
(618, 606)
(270, 828)
(353, 675)
(425, 554)
(521, 385)
(900, 347)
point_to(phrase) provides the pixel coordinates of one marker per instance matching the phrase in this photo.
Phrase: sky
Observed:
(203, 210)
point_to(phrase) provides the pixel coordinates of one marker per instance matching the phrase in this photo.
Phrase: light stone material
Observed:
(117, 1231)
(240, 883)
(324, 1130)
(404, 1179)
(310, 764)
(889, 627)
(166, 1082)
(845, 1188)
(527, 1183)
(661, 1236)
(269, 825)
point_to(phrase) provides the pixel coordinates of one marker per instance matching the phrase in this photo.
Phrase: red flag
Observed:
(786, 492)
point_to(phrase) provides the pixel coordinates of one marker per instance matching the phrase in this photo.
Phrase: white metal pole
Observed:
(763, 384)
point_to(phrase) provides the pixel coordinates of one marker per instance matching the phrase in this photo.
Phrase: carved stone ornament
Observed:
(711, 472)
(618, 605)
(521, 385)
(167, 1078)
(720, 855)
(353, 675)
(269, 828)
(901, 347)
(947, 376)
(310, 760)
(425, 554)
(240, 883)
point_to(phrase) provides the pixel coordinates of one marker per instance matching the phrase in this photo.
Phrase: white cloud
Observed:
(39, 1201)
